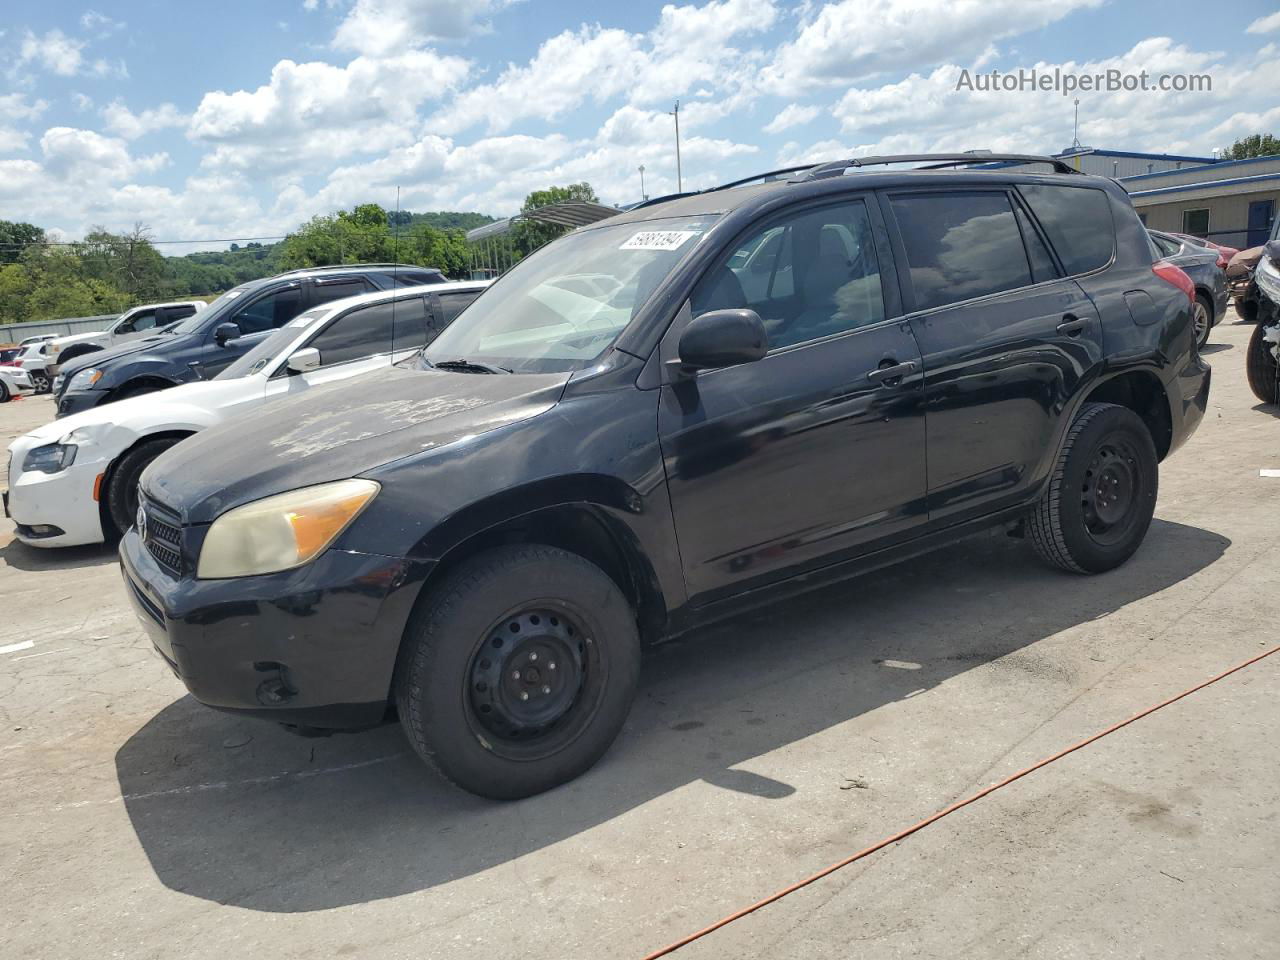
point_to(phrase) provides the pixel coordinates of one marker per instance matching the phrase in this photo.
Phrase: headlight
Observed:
(283, 531)
(51, 458)
(85, 379)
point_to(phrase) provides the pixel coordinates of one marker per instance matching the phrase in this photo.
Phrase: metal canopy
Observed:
(571, 213)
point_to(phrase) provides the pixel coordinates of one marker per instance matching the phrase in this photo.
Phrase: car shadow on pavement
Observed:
(240, 812)
(1210, 348)
(18, 555)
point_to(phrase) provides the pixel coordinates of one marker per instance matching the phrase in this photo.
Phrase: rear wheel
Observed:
(1202, 319)
(519, 671)
(122, 486)
(1096, 510)
(1261, 366)
(4, 392)
(40, 380)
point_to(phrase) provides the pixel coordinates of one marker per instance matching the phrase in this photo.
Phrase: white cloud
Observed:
(91, 21)
(13, 108)
(379, 27)
(121, 120)
(945, 119)
(87, 157)
(854, 39)
(310, 114)
(792, 115)
(83, 103)
(54, 51)
(689, 48)
(1265, 24)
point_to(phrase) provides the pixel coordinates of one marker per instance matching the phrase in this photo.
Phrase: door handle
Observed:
(890, 373)
(1072, 325)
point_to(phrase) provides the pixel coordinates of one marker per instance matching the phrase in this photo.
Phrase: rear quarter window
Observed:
(1078, 223)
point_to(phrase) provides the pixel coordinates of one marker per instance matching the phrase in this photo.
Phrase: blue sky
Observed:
(242, 119)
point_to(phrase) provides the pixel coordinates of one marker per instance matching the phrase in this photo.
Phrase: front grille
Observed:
(163, 540)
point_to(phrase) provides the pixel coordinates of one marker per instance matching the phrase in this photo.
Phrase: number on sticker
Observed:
(658, 240)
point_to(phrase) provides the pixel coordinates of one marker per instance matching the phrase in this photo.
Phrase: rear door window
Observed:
(142, 320)
(1078, 222)
(377, 328)
(269, 312)
(336, 288)
(960, 245)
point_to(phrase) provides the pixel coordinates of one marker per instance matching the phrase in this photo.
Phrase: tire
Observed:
(1202, 319)
(4, 392)
(485, 625)
(1260, 367)
(122, 484)
(40, 380)
(1098, 504)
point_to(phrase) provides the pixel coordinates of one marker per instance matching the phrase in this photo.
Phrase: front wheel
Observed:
(1260, 365)
(1100, 499)
(519, 670)
(40, 380)
(4, 392)
(122, 487)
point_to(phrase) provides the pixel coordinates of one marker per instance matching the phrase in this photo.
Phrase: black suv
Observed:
(688, 409)
(205, 343)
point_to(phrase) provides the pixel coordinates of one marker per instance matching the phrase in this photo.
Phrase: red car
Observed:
(1225, 253)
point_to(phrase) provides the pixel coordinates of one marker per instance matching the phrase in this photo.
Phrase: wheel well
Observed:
(159, 383)
(1207, 296)
(1143, 394)
(103, 513)
(583, 530)
(78, 350)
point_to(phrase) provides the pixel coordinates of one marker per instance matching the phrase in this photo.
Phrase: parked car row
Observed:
(701, 405)
(134, 322)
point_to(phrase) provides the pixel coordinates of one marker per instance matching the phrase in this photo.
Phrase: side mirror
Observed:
(722, 338)
(1272, 250)
(300, 361)
(224, 332)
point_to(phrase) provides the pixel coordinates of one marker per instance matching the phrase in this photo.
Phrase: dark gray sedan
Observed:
(1201, 265)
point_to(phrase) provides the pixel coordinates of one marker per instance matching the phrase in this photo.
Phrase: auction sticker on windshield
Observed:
(658, 240)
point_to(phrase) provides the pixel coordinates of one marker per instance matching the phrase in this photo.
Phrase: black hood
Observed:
(100, 358)
(337, 431)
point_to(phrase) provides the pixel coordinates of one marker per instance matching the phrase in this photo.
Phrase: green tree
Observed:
(1258, 145)
(15, 238)
(125, 261)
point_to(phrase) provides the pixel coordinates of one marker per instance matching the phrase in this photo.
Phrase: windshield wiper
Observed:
(466, 366)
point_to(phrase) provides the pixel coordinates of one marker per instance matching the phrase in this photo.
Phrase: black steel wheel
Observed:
(1101, 496)
(517, 670)
(531, 685)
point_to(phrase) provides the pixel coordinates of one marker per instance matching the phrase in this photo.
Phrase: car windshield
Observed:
(561, 308)
(198, 319)
(257, 358)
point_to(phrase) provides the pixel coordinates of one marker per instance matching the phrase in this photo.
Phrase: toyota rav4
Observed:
(690, 408)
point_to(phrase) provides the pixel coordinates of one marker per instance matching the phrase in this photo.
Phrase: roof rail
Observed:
(933, 161)
(357, 266)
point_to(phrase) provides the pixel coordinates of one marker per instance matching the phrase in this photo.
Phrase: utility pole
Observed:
(643, 195)
(1075, 137)
(679, 174)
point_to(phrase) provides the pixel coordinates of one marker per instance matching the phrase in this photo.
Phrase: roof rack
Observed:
(359, 266)
(934, 161)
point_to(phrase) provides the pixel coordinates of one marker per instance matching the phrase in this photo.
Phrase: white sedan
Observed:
(14, 381)
(74, 481)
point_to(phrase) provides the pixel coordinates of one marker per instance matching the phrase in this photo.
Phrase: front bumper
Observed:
(63, 501)
(315, 646)
(75, 401)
